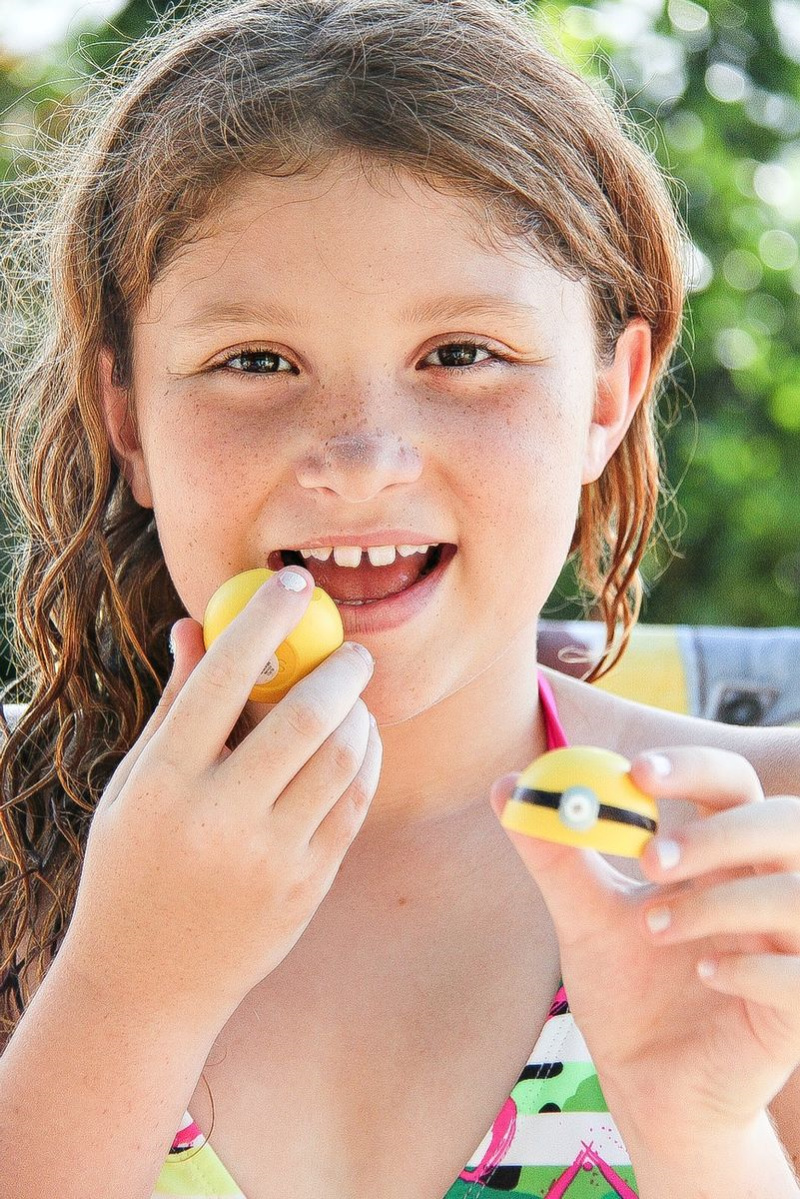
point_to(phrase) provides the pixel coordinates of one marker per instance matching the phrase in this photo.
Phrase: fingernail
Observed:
(292, 581)
(659, 764)
(658, 919)
(668, 852)
(364, 652)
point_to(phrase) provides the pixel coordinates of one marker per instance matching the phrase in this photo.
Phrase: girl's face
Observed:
(300, 370)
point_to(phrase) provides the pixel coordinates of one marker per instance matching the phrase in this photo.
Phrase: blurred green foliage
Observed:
(715, 91)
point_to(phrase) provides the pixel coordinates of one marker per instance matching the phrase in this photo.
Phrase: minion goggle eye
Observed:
(579, 808)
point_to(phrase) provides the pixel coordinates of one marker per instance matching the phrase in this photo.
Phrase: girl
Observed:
(363, 273)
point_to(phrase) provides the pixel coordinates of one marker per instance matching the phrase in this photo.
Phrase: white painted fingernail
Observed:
(668, 853)
(659, 764)
(658, 919)
(292, 581)
(362, 652)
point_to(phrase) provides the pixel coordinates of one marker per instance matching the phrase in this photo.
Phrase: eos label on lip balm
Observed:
(270, 671)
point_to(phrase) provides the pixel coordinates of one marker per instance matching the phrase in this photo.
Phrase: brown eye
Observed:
(253, 359)
(464, 355)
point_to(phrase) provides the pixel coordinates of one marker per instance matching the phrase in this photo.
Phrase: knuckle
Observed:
(221, 669)
(306, 718)
(357, 798)
(360, 792)
(324, 870)
(303, 890)
(346, 757)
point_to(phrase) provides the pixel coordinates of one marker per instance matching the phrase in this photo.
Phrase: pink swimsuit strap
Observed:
(556, 737)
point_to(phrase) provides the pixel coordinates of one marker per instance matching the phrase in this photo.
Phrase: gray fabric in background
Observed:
(742, 676)
(736, 676)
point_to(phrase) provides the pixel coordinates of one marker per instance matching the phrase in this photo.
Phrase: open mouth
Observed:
(366, 584)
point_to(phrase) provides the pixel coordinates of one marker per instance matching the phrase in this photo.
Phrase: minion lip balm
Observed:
(583, 796)
(316, 636)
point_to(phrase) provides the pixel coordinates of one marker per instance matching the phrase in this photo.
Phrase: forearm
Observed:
(751, 1165)
(93, 1085)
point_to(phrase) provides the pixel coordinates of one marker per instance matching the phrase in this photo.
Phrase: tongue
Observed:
(366, 582)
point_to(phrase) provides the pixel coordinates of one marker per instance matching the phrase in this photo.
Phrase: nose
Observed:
(358, 466)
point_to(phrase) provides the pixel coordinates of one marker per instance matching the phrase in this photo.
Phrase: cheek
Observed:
(521, 479)
(203, 486)
(202, 442)
(528, 445)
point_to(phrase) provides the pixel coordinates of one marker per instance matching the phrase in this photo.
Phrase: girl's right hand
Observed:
(204, 866)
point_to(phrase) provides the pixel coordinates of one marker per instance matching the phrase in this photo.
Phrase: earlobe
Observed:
(620, 390)
(122, 434)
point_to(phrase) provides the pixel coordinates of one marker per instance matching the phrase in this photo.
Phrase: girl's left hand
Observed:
(700, 1051)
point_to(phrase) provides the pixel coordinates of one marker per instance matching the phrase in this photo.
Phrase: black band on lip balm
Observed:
(552, 799)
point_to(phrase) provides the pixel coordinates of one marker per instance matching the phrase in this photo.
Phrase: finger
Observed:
(209, 705)
(322, 779)
(501, 791)
(580, 888)
(281, 745)
(712, 779)
(769, 978)
(766, 905)
(187, 638)
(338, 829)
(765, 834)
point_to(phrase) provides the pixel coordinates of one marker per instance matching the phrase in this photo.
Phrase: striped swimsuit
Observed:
(553, 1138)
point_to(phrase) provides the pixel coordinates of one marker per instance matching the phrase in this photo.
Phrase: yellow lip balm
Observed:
(315, 638)
(583, 796)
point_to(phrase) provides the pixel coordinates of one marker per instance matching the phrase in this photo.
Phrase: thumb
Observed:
(581, 889)
(189, 647)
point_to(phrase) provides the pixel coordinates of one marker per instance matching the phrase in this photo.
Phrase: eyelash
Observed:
(260, 349)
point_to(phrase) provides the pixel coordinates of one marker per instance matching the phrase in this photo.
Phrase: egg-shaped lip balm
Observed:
(314, 638)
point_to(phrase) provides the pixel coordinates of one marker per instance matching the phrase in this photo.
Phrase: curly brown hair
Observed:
(462, 93)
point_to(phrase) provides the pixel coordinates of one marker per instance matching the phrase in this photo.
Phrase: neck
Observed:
(439, 765)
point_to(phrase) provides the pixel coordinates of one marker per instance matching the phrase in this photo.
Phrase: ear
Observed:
(122, 432)
(620, 389)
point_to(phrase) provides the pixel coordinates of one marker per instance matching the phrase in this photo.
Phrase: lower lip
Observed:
(389, 613)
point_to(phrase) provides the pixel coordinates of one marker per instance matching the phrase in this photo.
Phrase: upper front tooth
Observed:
(381, 555)
(347, 555)
(350, 555)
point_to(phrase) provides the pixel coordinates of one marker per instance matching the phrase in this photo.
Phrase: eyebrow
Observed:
(227, 312)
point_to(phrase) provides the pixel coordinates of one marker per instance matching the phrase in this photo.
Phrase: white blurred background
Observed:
(31, 26)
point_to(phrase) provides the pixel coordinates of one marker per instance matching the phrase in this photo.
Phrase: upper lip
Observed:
(382, 537)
